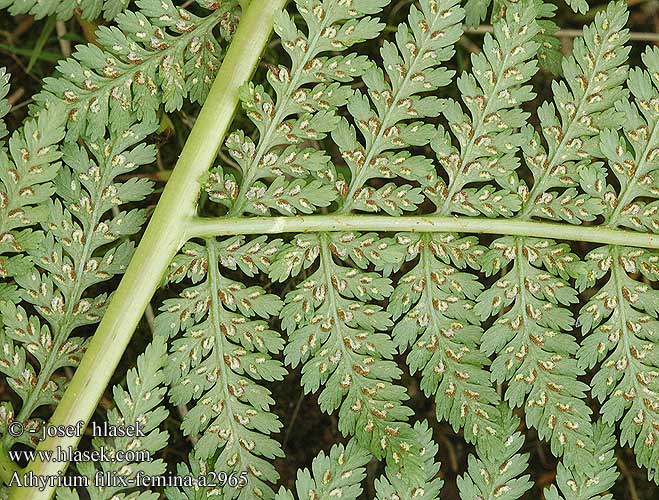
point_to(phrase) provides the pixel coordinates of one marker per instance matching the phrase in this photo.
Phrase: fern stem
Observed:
(222, 226)
(164, 236)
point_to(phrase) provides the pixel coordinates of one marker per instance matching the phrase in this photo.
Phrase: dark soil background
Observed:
(29, 48)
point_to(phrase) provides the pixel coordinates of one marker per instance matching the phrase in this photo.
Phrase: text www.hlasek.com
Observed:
(105, 477)
(70, 454)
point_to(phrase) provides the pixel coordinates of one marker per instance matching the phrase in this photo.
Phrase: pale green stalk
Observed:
(223, 226)
(164, 236)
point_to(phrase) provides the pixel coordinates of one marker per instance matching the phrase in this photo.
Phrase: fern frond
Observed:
(549, 47)
(393, 485)
(64, 9)
(160, 54)
(27, 170)
(620, 328)
(476, 10)
(470, 288)
(337, 333)
(82, 248)
(307, 95)
(413, 67)
(218, 355)
(140, 403)
(635, 168)
(574, 484)
(435, 299)
(335, 476)
(595, 75)
(488, 137)
(494, 475)
(619, 321)
(434, 306)
(535, 352)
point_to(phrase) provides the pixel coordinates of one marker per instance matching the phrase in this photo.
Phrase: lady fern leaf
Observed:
(336, 331)
(433, 304)
(369, 208)
(393, 485)
(307, 95)
(28, 166)
(140, 403)
(158, 54)
(489, 137)
(218, 355)
(441, 322)
(413, 67)
(535, 350)
(619, 321)
(83, 246)
(574, 483)
(494, 474)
